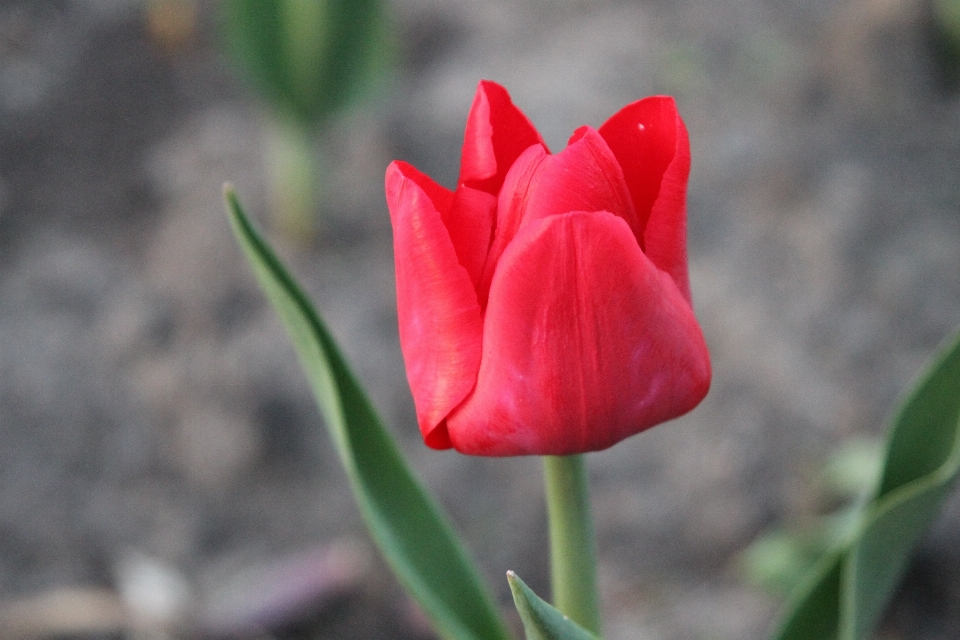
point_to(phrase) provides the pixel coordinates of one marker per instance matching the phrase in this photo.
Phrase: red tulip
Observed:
(544, 304)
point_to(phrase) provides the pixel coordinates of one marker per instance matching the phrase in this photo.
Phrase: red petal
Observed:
(467, 214)
(585, 343)
(440, 196)
(583, 177)
(511, 206)
(650, 141)
(440, 324)
(470, 222)
(496, 134)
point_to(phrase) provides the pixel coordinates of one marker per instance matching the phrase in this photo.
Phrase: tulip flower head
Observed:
(544, 304)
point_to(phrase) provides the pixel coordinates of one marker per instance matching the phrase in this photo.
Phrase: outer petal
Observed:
(440, 323)
(650, 141)
(468, 215)
(586, 342)
(440, 197)
(496, 134)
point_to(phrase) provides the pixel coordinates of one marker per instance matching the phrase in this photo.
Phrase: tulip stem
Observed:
(294, 178)
(573, 568)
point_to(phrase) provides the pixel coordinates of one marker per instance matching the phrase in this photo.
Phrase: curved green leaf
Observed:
(814, 610)
(924, 430)
(541, 621)
(845, 597)
(403, 520)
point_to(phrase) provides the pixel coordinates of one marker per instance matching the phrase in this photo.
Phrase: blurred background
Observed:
(164, 473)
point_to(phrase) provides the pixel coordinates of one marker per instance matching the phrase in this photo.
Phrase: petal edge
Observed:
(610, 347)
(649, 139)
(497, 132)
(439, 317)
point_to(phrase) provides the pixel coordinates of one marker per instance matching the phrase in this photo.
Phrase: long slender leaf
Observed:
(541, 621)
(403, 520)
(925, 426)
(877, 562)
(814, 611)
(846, 596)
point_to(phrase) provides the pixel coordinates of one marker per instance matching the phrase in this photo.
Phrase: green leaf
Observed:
(946, 17)
(845, 597)
(541, 621)
(853, 470)
(307, 58)
(814, 611)
(923, 461)
(777, 560)
(924, 431)
(876, 563)
(403, 520)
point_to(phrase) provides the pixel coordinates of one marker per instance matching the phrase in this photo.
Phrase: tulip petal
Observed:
(497, 133)
(468, 215)
(511, 206)
(650, 142)
(585, 343)
(470, 221)
(440, 196)
(440, 323)
(583, 177)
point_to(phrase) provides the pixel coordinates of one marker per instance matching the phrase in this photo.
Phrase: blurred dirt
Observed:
(159, 450)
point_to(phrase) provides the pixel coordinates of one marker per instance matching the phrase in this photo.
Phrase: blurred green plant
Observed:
(946, 27)
(309, 60)
(778, 559)
(842, 568)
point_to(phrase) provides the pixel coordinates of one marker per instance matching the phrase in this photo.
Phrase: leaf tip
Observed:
(238, 218)
(515, 583)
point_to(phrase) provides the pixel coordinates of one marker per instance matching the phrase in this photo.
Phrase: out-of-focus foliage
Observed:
(843, 596)
(307, 58)
(946, 25)
(780, 558)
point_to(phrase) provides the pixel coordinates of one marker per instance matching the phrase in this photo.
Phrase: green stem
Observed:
(294, 179)
(572, 550)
